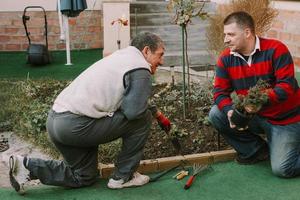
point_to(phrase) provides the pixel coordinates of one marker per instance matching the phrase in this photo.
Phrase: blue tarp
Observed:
(72, 8)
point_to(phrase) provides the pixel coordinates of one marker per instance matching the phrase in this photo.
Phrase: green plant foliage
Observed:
(108, 152)
(257, 96)
(201, 99)
(27, 104)
(9, 90)
(185, 10)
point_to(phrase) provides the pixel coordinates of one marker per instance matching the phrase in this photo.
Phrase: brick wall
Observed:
(86, 31)
(285, 28)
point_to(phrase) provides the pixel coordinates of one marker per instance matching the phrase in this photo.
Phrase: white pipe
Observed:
(66, 26)
(62, 36)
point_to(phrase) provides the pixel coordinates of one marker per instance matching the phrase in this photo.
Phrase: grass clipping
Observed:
(261, 11)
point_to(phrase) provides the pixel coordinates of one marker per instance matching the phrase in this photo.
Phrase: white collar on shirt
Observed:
(257, 47)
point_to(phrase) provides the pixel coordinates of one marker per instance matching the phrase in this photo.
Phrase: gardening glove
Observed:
(163, 122)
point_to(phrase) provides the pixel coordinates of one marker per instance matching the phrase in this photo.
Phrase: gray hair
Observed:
(143, 39)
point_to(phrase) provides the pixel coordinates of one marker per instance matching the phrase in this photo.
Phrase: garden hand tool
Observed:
(165, 125)
(155, 178)
(180, 175)
(196, 170)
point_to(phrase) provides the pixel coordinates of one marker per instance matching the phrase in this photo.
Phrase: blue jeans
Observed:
(283, 141)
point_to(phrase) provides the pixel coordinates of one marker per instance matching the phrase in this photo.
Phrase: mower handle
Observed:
(26, 18)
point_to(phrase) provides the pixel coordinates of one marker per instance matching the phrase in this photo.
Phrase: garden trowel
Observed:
(176, 145)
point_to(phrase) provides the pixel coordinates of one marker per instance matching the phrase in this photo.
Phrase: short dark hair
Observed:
(146, 39)
(243, 19)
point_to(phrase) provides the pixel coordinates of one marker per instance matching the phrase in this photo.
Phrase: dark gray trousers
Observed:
(77, 138)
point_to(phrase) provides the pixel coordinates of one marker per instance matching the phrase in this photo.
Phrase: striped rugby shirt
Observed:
(271, 61)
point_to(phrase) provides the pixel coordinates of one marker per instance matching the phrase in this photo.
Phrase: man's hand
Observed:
(163, 122)
(229, 114)
(252, 109)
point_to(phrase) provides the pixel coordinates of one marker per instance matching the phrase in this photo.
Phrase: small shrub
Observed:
(257, 96)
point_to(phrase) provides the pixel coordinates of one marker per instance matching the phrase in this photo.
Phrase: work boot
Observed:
(137, 180)
(261, 155)
(18, 174)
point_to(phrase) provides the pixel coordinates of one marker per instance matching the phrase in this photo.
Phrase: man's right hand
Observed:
(232, 125)
(229, 114)
(163, 122)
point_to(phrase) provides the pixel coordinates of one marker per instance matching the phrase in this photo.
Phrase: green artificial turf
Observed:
(227, 181)
(298, 76)
(13, 65)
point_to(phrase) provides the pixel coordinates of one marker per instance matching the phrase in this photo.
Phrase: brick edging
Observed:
(159, 164)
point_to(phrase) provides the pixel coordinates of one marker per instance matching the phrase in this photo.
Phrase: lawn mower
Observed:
(37, 54)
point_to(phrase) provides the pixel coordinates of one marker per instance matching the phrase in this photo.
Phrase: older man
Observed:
(109, 100)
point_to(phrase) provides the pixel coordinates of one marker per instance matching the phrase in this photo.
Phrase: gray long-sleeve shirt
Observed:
(138, 84)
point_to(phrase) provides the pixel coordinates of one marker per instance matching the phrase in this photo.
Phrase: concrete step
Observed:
(195, 58)
(193, 45)
(161, 7)
(151, 19)
(153, 16)
(159, 19)
(172, 31)
(148, 7)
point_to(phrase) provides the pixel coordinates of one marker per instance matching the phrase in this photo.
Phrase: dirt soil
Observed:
(20, 147)
(194, 133)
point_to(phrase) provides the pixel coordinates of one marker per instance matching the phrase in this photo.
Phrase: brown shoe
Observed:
(261, 155)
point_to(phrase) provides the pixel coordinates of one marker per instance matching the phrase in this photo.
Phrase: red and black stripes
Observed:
(273, 63)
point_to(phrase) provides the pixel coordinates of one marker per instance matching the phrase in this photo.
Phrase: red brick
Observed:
(52, 15)
(296, 38)
(72, 21)
(272, 34)
(53, 29)
(285, 14)
(79, 46)
(53, 22)
(37, 38)
(4, 22)
(296, 61)
(52, 47)
(285, 36)
(278, 25)
(1, 47)
(60, 46)
(18, 39)
(17, 23)
(88, 38)
(11, 30)
(13, 47)
(94, 29)
(24, 46)
(96, 44)
(79, 29)
(298, 50)
(4, 38)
